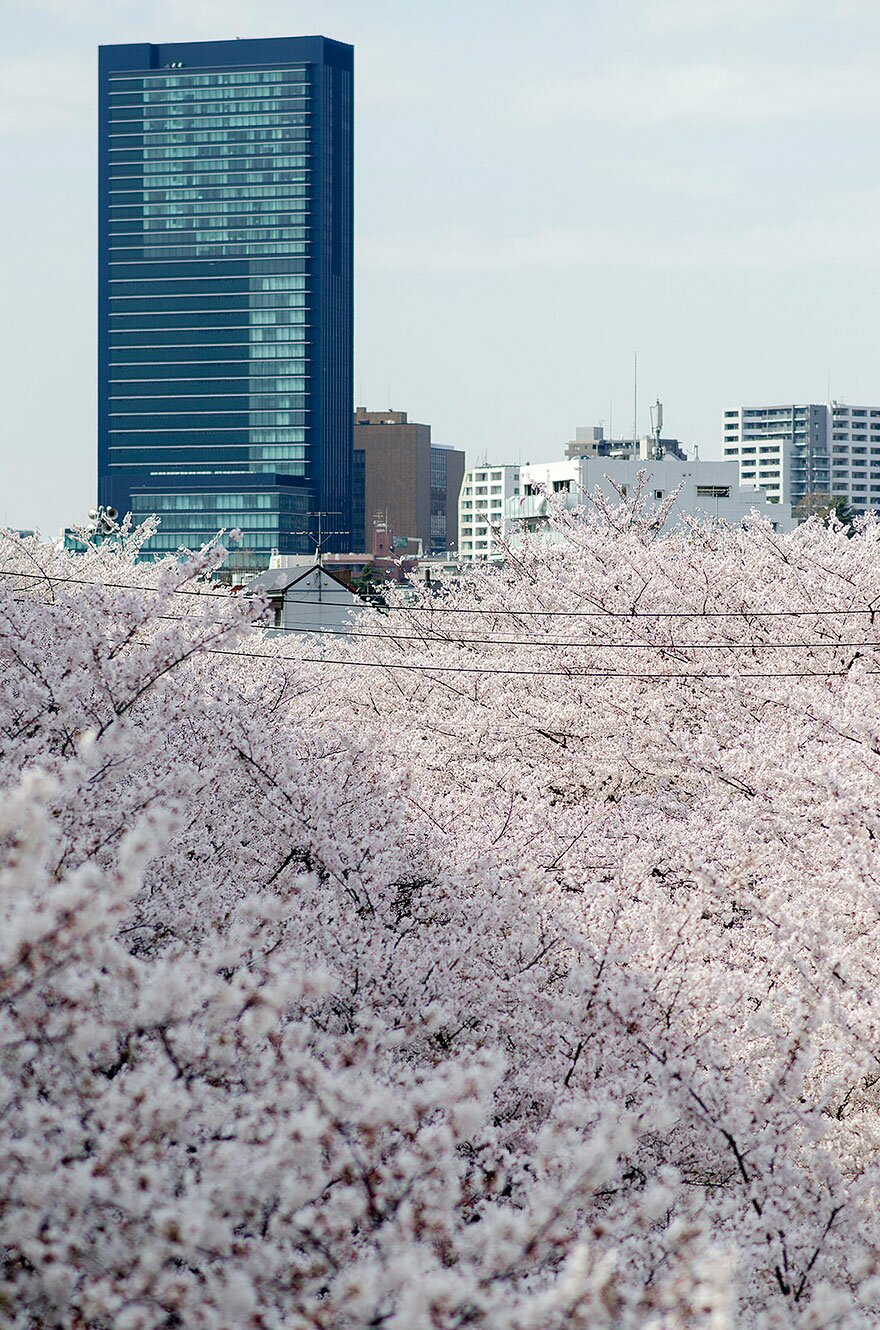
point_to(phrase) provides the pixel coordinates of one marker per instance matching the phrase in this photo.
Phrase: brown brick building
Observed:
(407, 482)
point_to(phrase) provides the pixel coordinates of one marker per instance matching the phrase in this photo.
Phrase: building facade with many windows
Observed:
(225, 289)
(447, 473)
(481, 506)
(405, 481)
(808, 448)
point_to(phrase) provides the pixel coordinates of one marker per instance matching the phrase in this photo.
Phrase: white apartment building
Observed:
(484, 491)
(799, 449)
(704, 490)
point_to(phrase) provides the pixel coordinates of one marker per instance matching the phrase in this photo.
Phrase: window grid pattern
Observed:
(226, 283)
(806, 435)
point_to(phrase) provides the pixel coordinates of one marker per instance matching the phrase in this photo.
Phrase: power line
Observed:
(649, 677)
(546, 642)
(493, 642)
(605, 614)
(115, 586)
(467, 609)
(308, 631)
(567, 674)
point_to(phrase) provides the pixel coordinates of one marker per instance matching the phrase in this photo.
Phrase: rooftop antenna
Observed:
(657, 427)
(635, 398)
(322, 537)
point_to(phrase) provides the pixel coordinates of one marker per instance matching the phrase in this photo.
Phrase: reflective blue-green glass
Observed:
(218, 247)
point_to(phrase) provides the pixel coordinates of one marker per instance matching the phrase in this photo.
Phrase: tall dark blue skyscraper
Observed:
(225, 289)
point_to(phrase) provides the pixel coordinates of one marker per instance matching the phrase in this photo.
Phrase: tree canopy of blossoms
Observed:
(512, 963)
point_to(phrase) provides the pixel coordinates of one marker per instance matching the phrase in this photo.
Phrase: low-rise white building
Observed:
(704, 490)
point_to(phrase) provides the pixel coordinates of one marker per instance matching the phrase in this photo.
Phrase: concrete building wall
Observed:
(706, 490)
(484, 491)
(397, 472)
(808, 448)
(854, 437)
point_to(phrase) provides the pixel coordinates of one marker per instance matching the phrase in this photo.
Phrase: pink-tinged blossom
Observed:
(514, 968)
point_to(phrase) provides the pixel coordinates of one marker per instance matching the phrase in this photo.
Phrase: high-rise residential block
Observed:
(225, 289)
(808, 448)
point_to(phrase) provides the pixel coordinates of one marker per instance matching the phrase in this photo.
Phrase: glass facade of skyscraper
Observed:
(225, 289)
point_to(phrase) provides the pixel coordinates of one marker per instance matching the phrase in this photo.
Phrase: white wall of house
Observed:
(306, 599)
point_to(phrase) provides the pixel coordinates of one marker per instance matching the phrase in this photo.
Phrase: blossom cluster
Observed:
(509, 963)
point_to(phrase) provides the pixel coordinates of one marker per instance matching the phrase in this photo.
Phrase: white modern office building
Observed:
(807, 448)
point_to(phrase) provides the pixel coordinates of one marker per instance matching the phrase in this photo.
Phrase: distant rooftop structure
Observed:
(590, 441)
(364, 417)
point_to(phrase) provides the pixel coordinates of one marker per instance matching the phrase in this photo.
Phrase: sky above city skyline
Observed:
(540, 193)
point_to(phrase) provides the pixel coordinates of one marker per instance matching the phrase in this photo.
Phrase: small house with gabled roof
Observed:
(307, 598)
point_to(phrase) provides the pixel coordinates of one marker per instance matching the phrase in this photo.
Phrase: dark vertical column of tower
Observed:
(332, 341)
(225, 288)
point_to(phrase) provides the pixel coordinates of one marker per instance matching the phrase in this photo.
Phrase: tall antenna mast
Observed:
(635, 399)
(657, 424)
(322, 536)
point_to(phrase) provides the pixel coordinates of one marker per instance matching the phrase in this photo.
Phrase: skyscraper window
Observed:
(225, 289)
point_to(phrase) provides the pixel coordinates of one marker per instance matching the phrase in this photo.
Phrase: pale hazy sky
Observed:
(542, 189)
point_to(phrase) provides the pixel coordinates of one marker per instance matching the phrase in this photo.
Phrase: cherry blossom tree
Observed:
(508, 963)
